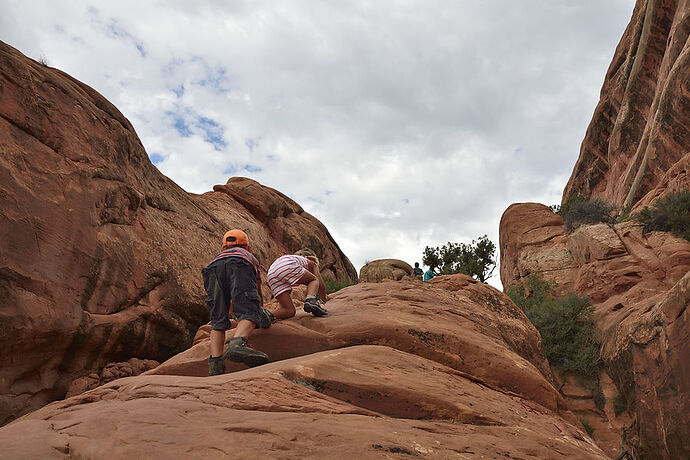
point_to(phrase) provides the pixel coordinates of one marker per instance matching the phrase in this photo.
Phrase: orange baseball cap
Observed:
(235, 238)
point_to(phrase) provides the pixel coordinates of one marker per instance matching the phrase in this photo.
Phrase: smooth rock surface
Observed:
(355, 402)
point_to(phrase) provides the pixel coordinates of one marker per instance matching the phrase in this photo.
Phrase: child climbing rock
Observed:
(233, 284)
(293, 270)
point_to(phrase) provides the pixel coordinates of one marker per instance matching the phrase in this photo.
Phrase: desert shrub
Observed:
(476, 259)
(565, 323)
(668, 214)
(618, 405)
(588, 426)
(581, 212)
(532, 292)
(335, 285)
(599, 398)
(569, 202)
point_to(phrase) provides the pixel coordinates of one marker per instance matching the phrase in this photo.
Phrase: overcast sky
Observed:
(398, 124)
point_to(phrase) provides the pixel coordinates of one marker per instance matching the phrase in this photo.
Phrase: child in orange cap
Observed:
(233, 280)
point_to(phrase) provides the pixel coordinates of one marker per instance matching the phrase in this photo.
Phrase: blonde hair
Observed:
(309, 254)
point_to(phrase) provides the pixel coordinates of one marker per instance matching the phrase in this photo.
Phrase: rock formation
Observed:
(637, 144)
(384, 269)
(636, 150)
(101, 253)
(395, 368)
(627, 276)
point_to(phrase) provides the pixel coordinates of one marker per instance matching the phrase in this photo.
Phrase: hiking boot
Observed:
(266, 318)
(312, 305)
(240, 351)
(216, 366)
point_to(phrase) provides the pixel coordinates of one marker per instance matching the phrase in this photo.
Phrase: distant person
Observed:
(417, 272)
(233, 286)
(292, 270)
(429, 274)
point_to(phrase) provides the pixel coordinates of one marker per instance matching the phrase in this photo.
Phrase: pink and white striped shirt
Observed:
(285, 272)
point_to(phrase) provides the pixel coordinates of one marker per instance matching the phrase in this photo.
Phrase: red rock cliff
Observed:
(636, 149)
(101, 254)
(637, 144)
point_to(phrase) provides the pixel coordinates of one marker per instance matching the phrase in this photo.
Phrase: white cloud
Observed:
(399, 124)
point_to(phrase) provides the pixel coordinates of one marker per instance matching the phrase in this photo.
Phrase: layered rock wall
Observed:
(639, 287)
(636, 150)
(640, 130)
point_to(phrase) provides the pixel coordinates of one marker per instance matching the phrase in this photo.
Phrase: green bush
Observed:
(599, 398)
(668, 214)
(476, 259)
(581, 212)
(565, 323)
(618, 405)
(334, 285)
(588, 426)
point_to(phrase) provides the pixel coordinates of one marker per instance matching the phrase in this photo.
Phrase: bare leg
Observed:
(311, 281)
(217, 340)
(244, 328)
(287, 308)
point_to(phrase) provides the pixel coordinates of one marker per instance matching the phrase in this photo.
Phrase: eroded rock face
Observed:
(395, 368)
(384, 269)
(101, 254)
(639, 287)
(640, 131)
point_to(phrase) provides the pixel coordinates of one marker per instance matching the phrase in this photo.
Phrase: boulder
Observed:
(101, 253)
(385, 269)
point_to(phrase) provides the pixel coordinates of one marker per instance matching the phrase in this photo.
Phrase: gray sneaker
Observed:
(216, 366)
(266, 318)
(312, 305)
(240, 351)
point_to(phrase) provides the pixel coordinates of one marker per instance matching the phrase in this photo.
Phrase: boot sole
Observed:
(314, 311)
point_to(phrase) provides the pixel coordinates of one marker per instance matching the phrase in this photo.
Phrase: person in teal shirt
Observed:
(429, 274)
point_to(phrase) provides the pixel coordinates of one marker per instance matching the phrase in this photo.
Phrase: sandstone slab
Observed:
(359, 401)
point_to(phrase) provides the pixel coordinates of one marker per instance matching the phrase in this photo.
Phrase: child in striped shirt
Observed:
(293, 270)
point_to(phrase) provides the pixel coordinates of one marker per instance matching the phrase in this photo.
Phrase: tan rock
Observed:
(384, 269)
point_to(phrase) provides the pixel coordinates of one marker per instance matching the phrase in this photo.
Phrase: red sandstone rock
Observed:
(532, 238)
(384, 269)
(640, 130)
(361, 401)
(451, 328)
(639, 287)
(101, 253)
(112, 371)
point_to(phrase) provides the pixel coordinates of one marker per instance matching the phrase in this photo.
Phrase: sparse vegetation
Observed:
(565, 323)
(43, 61)
(335, 285)
(668, 214)
(588, 426)
(475, 259)
(618, 405)
(599, 398)
(577, 211)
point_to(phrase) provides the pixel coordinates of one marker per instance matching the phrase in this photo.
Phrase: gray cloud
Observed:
(399, 124)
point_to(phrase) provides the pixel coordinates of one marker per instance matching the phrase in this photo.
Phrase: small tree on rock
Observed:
(475, 259)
